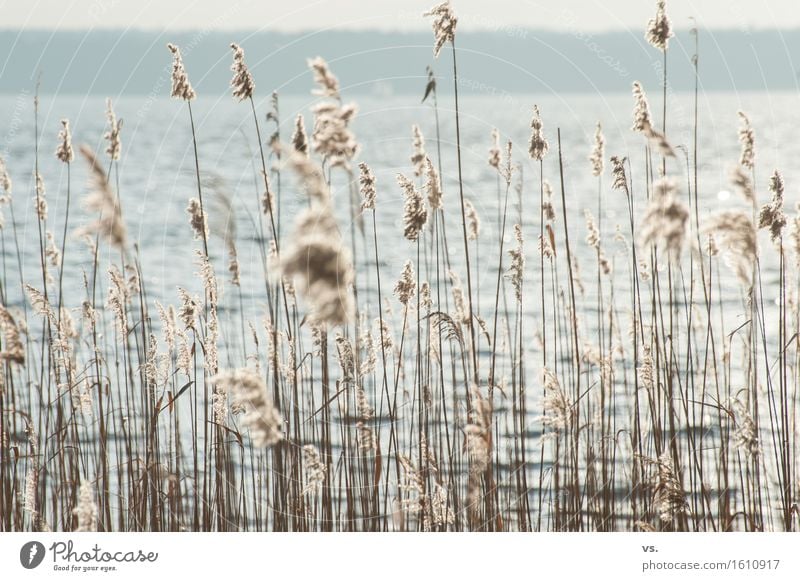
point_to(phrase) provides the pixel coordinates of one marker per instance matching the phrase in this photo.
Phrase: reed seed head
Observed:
(249, 392)
(419, 155)
(102, 201)
(242, 82)
(659, 28)
(433, 185)
(666, 219)
(748, 140)
(406, 285)
(86, 511)
(598, 152)
(181, 87)
(112, 135)
(771, 215)
(332, 137)
(473, 220)
(314, 468)
(64, 151)
(618, 173)
(735, 236)
(743, 183)
(299, 137)
(368, 190)
(197, 219)
(415, 214)
(642, 121)
(444, 25)
(328, 84)
(5, 178)
(517, 267)
(12, 347)
(537, 145)
(494, 150)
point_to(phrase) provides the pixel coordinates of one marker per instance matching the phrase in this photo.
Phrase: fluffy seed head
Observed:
(598, 152)
(415, 213)
(242, 82)
(494, 150)
(419, 155)
(735, 236)
(368, 191)
(102, 201)
(328, 84)
(659, 28)
(299, 137)
(181, 87)
(666, 219)
(64, 151)
(114, 148)
(537, 145)
(771, 215)
(5, 178)
(473, 220)
(444, 25)
(249, 392)
(618, 173)
(641, 111)
(406, 285)
(433, 185)
(747, 138)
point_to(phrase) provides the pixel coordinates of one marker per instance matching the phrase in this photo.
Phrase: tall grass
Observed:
(632, 403)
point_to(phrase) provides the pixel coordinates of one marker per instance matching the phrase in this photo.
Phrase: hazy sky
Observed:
(389, 14)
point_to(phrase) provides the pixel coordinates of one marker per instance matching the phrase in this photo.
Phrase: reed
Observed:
(656, 394)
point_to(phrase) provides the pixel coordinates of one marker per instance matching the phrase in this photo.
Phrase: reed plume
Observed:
(494, 150)
(368, 191)
(771, 215)
(39, 200)
(5, 178)
(86, 510)
(597, 156)
(112, 134)
(12, 348)
(317, 261)
(328, 84)
(332, 137)
(444, 25)
(666, 219)
(473, 220)
(64, 152)
(415, 213)
(433, 185)
(618, 173)
(315, 469)
(242, 82)
(419, 155)
(101, 200)
(537, 144)
(299, 137)
(659, 28)
(747, 138)
(743, 183)
(181, 87)
(517, 267)
(735, 235)
(406, 285)
(248, 392)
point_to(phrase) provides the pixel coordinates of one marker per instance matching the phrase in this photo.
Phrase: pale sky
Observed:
(292, 15)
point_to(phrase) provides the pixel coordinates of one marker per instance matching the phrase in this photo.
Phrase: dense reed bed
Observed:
(369, 400)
